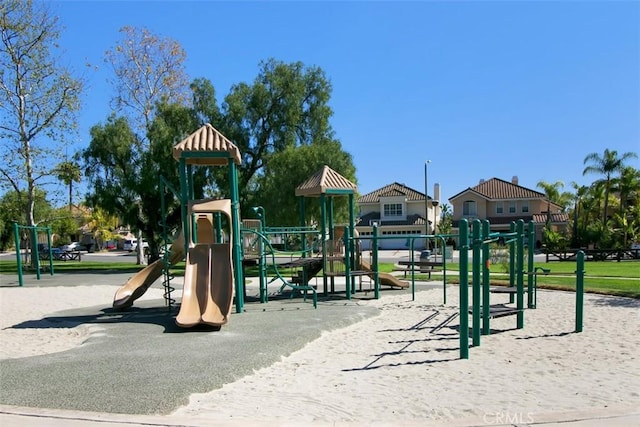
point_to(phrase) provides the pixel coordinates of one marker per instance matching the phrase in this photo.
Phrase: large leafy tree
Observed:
(111, 160)
(285, 107)
(608, 164)
(283, 111)
(289, 168)
(172, 123)
(39, 97)
(148, 71)
(12, 210)
(126, 180)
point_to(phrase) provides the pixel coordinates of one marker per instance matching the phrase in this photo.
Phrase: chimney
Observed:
(514, 180)
(481, 181)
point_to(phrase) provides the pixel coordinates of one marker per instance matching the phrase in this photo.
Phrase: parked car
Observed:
(132, 245)
(73, 246)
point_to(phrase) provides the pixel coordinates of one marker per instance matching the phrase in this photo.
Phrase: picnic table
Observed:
(59, 255)
(70, 256)
(423, 266)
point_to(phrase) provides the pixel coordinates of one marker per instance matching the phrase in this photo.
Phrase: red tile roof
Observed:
(498, 189)
(391, 190)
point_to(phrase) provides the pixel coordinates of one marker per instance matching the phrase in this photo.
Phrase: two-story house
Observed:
(397, 210)
(502, 202)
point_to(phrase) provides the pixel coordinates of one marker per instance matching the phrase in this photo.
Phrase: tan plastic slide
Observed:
(385, 278)
(207, 294)
(138, 284)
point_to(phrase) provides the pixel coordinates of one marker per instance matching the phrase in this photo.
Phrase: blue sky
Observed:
(482, 89)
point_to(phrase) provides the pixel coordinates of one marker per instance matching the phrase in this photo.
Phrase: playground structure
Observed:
(482, 311)
(214, 276)
(33, 251)
(329, 249)
(213, 270)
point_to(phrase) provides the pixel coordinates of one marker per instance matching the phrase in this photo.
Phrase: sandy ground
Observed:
(19, 305)
(400, 365)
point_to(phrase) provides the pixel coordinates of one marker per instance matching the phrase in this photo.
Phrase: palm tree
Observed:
(606, 165)
(68, 172)
(580, 192)
(628, 187)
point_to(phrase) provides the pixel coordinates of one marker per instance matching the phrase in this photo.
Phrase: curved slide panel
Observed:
(138, 284)
(386, 279)
(207, 295)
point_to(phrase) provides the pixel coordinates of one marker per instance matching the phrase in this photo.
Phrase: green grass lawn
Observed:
(605, 277)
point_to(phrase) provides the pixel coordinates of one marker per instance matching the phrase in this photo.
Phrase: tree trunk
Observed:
(141, 259)
(71, 196)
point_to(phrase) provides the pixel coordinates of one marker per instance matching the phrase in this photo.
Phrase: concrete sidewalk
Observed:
(620, 416)
(131, 368)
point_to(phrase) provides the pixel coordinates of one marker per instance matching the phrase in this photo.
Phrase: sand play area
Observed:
(399, 365)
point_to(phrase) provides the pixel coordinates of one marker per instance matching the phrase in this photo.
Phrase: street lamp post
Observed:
(259, 211)
(426, 202)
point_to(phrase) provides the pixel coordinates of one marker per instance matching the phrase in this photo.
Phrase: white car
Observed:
(132, 245)
(73, 246)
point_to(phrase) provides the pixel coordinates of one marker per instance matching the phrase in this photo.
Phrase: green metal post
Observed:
(352, 241)
(444, 271)
(413, 269)
(512, 261)
(236, 237)
(520, 274)
(347, 264)
(16, 234)
(530, 267)
(464, 289)
(323, 227)
(374, 261)
(184, 204)
(486, 259)
(302, 224)
(218, 217)
(579, 290)
(475, 285)
(192, 193)
(166, 277)
(331, 218)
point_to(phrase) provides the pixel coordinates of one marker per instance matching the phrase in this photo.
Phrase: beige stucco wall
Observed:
(481, 205)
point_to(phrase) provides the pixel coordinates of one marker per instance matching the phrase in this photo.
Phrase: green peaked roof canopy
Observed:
(326, 181)
(207, 146)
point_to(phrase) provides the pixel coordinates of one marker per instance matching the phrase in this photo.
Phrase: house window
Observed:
(512, 207)
(469, 208)
(525, 207)
(393, 209)
(499, 208)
